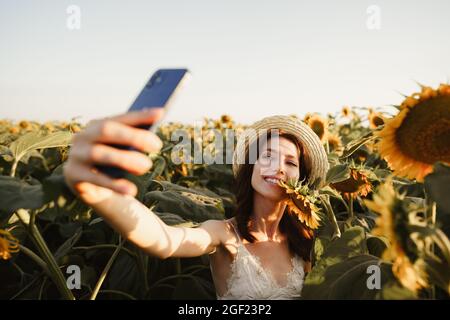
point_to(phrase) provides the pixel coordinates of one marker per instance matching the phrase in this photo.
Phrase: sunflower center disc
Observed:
(424, 134)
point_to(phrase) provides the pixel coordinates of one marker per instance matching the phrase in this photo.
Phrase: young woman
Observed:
(261, 253)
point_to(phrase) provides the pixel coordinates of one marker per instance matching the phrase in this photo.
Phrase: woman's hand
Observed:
(89, 147)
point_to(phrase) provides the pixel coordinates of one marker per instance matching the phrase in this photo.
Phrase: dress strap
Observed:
(235, 231)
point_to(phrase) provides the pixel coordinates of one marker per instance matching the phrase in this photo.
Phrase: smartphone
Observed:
(158, 92)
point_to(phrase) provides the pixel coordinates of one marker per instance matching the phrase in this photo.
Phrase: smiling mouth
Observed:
(271, 180)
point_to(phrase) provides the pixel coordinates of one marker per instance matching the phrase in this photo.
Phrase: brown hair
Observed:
(298, 235)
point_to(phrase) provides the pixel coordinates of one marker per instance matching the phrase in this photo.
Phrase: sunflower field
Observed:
(381, 223)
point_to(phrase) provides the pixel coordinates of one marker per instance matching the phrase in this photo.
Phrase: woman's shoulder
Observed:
(222, 228)
(218, 224)
(225, 233)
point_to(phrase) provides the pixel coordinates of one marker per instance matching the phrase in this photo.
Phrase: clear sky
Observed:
(248, 59)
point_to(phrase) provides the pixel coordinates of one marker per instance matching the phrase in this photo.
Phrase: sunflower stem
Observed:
(432, 221)
(33, 256)
(106, 270)
(13, 168)
(350, 208)
(331, 216)
(433, 214)
(47, 256)
(143, 264)
(430, 213)
(56, 273)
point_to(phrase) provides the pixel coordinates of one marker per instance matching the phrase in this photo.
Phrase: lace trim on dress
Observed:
(249, 279)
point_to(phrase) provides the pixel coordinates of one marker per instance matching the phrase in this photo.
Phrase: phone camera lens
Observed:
(155, 79)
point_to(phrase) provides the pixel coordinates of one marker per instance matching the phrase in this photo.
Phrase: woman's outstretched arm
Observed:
(141, 226)
(114, 199)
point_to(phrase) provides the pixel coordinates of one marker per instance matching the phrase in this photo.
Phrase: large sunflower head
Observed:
(357, 184)
(8, 244)
(393, 223)
(319, 125)
(301, 203)
(419, 135)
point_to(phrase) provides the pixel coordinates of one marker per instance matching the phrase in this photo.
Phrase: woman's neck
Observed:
(266, 217)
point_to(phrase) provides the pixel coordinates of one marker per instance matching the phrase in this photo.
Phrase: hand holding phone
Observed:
(157, 93)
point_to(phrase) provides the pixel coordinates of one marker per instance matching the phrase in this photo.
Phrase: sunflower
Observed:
(49, 126)
(357, 184)
(375, 119)
(25, 124)
(344, 130)
(8, 244)
(75, 128)
(346, 112)
(419, 135)
(14, 130)
(319, 125)
(362, 154)
(225, 118)
(183, 170)
(392, 223)
(335, 143)
(301, 203)
(307, 117)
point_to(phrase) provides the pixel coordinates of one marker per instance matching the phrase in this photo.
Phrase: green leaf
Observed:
(330, 192)
(5, 152)
(393, 290)
(55, 186)
(7, 138)
(354, 145)
(376, 245)
(68, 244)
(320, 245)
(124, 276)
(342, 272)
(88, 276)
(351, 243)
(438, 272)
(345, 280)
(191, 288)
(159, 164)
(382, 173)
(33, 153)
(338, 173)
(436, 185)
(17, 194)
(35, 140)
(189, 203)
(333, 159)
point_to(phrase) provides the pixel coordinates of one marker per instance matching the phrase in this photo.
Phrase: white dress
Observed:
(250, 281)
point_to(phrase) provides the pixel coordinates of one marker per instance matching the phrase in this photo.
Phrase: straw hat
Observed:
(315, 157)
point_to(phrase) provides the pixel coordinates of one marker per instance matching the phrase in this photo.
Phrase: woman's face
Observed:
(279, 159)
